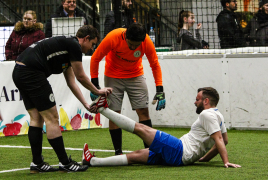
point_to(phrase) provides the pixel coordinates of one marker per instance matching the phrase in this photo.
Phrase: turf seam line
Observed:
(73, 149)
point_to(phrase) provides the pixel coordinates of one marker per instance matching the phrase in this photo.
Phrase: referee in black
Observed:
(53, 56)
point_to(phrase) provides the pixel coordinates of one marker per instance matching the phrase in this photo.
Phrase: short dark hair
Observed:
(211, 94)
(223, 3)
(88, 30)
(136, 32)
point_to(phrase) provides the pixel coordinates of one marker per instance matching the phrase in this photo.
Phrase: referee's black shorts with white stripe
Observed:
(34, 88)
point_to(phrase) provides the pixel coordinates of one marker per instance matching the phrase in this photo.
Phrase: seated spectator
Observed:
(229, 30)
(67, 9)
(257, 29)
(185, 37)
(24, 34)
(127, 17)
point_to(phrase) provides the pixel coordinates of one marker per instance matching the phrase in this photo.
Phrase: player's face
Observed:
(28, 20)
(133, 44)
(89, 45)
(69, 5)
(199, 103)
(190, 20)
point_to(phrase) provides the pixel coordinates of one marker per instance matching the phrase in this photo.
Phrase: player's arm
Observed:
(213, 151)
(70, 80)
(150, 52)
(219, 143)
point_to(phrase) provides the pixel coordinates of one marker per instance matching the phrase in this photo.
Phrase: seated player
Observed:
(207, 137)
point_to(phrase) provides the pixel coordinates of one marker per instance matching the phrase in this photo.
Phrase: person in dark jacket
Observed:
(257, 29)
(185, 37)
(127, 17)
(67, 9)
(24, 34)
(229, 30)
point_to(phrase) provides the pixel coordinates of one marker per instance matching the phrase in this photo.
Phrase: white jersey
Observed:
(198, 142)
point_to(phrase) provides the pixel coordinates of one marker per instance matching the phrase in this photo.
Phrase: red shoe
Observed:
(86, 155)
(101, 101)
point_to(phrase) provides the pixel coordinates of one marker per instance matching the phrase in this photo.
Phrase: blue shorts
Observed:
(165, 150)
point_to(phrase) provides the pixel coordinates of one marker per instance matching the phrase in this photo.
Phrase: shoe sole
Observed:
(34, 172)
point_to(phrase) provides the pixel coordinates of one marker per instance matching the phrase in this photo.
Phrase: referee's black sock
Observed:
(58, 146)
(116, 135)
(147, 123)
(35, 135)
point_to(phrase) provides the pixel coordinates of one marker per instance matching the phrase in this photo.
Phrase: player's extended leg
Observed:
(146, 133)
(136, 157)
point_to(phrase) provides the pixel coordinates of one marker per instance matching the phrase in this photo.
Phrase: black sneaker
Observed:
(42, 167)
(118, 152)
(73, 166)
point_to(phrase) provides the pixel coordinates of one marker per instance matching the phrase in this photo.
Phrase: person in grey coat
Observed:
(257, 29)
(185, 37)
(127, 17)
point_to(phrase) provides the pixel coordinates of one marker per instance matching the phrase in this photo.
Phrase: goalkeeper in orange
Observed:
(124, 49)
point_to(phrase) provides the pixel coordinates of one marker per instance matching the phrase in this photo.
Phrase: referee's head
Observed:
(88, 30)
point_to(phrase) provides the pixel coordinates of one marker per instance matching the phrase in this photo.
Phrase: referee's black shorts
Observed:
(34, 88)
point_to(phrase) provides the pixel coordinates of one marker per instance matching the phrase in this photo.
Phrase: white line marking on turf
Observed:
(73, 149)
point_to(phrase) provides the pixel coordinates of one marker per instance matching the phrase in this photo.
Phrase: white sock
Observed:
(120, 160)
(120, 120)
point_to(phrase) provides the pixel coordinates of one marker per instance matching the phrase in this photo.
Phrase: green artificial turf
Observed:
(247, 148)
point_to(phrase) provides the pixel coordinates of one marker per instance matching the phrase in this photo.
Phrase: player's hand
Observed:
(106, 91)
(231, 165)
(199, 25)
(159, 98)
(93, 109)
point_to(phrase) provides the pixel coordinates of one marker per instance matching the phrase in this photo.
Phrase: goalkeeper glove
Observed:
(95, 82)
(159, 98)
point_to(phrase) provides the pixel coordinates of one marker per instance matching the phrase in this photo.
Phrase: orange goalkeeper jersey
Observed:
(120, 61)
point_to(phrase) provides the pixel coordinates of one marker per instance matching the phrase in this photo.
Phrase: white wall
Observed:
(241, 80)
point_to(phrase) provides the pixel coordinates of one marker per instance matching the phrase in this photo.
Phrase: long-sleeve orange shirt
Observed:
(120, 61)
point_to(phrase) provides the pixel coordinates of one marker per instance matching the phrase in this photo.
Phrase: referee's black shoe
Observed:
(73, 166)
(42, 167)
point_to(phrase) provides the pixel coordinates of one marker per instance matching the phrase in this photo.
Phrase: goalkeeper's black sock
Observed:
(35, 136)
(58, 146)
(116, 135)
(147, 123)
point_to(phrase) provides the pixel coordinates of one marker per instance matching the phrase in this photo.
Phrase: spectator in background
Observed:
(24, 34)
(185, 37)
(127, 17)
(229, 30)
(257, 29)
(67, 9)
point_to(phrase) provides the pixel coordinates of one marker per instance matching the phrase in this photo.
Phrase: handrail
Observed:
(11, 10)
(159, 12)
